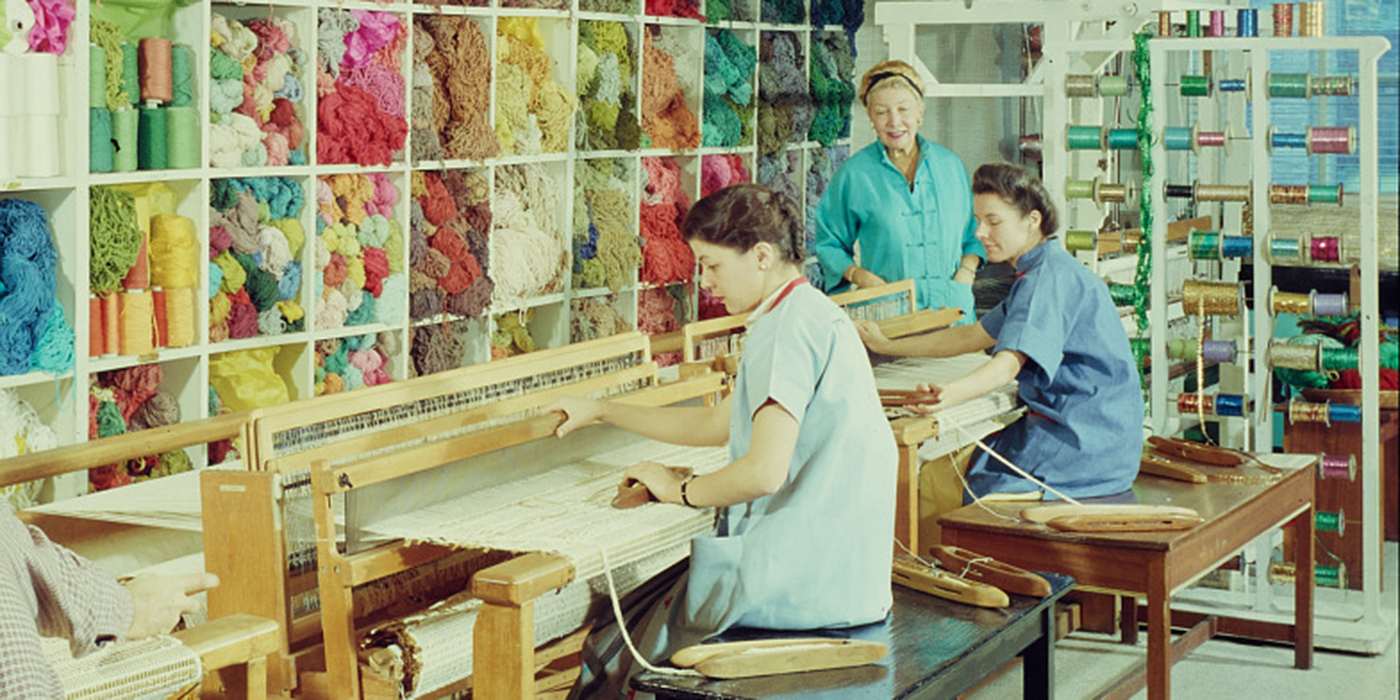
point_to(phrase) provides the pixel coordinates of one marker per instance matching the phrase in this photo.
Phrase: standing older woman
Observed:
(904, 199)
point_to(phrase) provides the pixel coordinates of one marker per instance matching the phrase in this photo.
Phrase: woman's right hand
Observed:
(865, 279)
(935, 402)
(872, 336)
(578, 413)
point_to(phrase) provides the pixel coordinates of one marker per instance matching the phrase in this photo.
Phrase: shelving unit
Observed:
(399, 326)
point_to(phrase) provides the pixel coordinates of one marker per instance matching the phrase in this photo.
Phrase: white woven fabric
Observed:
(155, 667)
(977, 418)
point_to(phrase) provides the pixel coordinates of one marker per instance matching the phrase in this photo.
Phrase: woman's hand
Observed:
(872, 336)
(158, 601)
(662, 481)
(935, 402)
(578, 413)
(865, 279)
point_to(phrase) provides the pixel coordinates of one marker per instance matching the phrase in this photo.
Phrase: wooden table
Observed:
(1159, 564)
(938, 649)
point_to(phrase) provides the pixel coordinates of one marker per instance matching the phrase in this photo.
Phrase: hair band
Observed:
(875, 80)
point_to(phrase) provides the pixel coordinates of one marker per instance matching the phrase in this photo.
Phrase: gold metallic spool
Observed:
(1111, 192)
(1312, 17)
(1131, 239)
(1307, 412)
(1307, 358)
(1212, 298)
(1081, 85)
(1288, 194)
(1290, 302)
(1222, 193)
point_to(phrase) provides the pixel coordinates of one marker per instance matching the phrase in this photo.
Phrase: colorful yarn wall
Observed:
(717, 11)
(22, 431)
(594, 318)
(360, 115)
(729, 65)
(785, 107)
(537, 4)
(783, 11)
(666, 118)
(34, 334)
(780, 172)
(666, 259)
(674, 8)
(255, 269)
(345, 364)
(833, 87)
(606, 251)
(529, 248)
(661, 310)
(438, 348)
(823, 165)
(451, 95)
(512, 335)
(720, 171)
(850, 14)
(141, 102)
(616, 7)
(256, 72)
(130, 400)
(532, 109)
(448, 247)
(358, 280)
(608, 111)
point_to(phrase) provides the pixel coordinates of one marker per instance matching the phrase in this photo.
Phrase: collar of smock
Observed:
(925, 151)
(773, 300)
(1033, 257)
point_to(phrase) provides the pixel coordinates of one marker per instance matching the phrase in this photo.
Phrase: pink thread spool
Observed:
(1336, 467)
(1217, 23)
(1325, 248)
(1283, 19)
(1331, 139)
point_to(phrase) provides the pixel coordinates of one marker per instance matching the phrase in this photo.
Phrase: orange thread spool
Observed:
(153, 62)
(139, 276)
(94, 326)
(162, 328)
(111, 329)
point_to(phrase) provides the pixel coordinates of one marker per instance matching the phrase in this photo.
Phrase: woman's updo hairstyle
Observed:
(742, 216)
(1020, 189)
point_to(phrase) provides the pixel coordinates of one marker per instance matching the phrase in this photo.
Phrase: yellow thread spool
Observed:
(1289, 302)
(1212, 298)
(1222, 193)
(1307, 358)
(179, 317)
(137, 319)
(1112, 192)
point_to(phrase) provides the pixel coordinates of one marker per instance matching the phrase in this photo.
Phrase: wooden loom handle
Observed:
(1196, 452)
(914, 575)
(1012, 579)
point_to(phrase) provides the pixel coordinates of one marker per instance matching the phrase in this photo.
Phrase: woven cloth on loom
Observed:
(155, 667)
(977, 417)
(170, 502)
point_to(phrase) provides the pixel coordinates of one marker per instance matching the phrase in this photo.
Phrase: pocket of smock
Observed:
(714, 596)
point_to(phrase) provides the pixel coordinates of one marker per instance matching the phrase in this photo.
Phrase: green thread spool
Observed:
(1285, 250)
(1083, 138)
(97, 79)
(1195, 86)
(1113, 85)
(99, 140)
(1079, 189)
(1080, 241)
(1123, 139)
(1333, 576)
(182, 137)
(131, 81)
(124, 135)
(1340, 358)
(1080, 85)
(181, 76)
(1182, 349)
(1177, 138)
(152, 147)
(1331, 522)
(1204, 245)
(1123, 294)
(1193, 23)
(1325, 194)
(1290, 85)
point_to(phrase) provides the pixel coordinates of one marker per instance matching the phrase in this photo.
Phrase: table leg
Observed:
(1159, 632)
(1303, 555)
(1128, 619)
(1038, 661)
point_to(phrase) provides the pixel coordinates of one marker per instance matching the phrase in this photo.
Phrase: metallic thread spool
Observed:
(1204, 245)
(1325, 249)
(1181, 191)
(1247, 220)
(1289, 302)
(1123, 139)
(1289, 85)
(1211, 298)
(1247, 23)
(1195, 86)
(1182, 349)
(1164, 24)
(1079, 189)
(1222, 193)
(1229, 405)
(1278, 139)
(1142, 352)
(1332, 522)
(1081, 85)
(1339, 358)
(1083, 138)
(1288, 194)
(1112, 192)
(1193, 23)
(1333, 85)
(1123, 294)
(1113, 85)
(1236, 247)
(1285, 251)
(1080, 241)
(1177, 138)
(1233, 85)
(1344, 412)
(1306, 412)
(1130, 239)
(1217, 351)
(1210, 139)
(1195, 403)
(1283, 572)
(1331, 139)
(1312, 18)
(1217, 23)
(1283, 19)
(1325, 194)
(1307, 358)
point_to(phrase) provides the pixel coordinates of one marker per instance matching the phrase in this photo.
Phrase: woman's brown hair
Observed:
(742, 216)
(1020, 189)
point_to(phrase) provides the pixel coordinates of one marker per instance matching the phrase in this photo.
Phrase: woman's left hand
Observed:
(662, 481)
(935, 402)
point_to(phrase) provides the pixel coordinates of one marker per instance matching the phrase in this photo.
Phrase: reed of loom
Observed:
(900, 297)
(233, 645)
(504, 643)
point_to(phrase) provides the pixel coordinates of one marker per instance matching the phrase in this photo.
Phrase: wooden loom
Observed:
(233, 645)
(333, 447)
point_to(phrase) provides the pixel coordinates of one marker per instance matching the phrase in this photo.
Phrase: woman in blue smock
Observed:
(806, 506)
(1059, 336)
(904, 199)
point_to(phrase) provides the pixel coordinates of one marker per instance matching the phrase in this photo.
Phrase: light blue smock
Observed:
(1083, 430)
(817, 553)
(919, 235)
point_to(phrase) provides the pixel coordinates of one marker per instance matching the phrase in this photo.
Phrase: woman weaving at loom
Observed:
(1059, 336)
(806, 506)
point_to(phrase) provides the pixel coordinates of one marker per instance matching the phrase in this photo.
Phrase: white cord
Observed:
(978, 441)
(622, 627)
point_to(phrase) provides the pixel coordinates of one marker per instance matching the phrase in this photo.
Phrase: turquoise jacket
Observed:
(920, 234)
